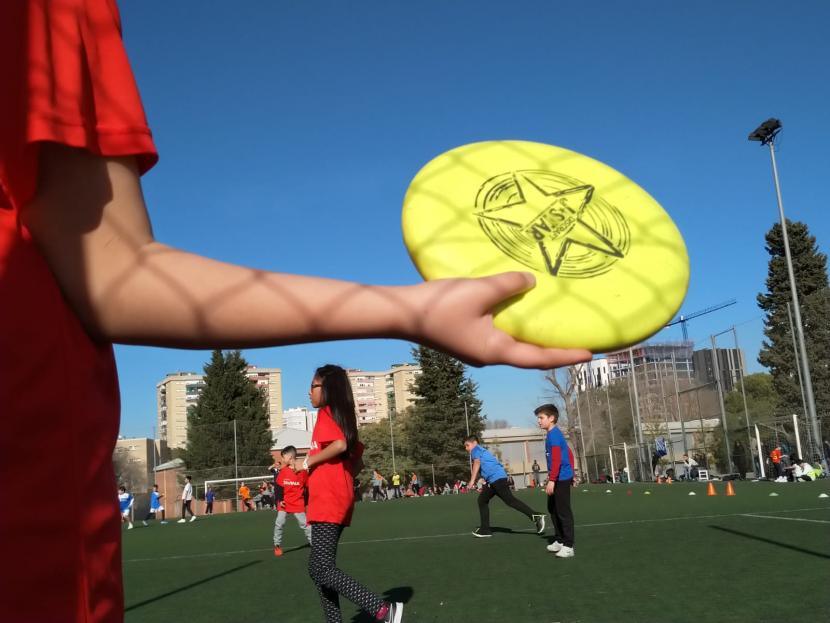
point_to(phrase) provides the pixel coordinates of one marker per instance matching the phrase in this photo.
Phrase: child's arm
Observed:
(474, 473)
(336, 447)
(90, 221)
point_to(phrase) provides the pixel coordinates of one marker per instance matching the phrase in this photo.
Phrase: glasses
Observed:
(313, 385)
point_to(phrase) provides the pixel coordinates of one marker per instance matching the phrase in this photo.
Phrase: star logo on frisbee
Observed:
(552, 223)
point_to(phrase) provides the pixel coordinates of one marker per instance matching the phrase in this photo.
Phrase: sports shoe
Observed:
(478, 532)
(130, 527)
(539, 520)
(162, 522)
(554, 547)
(277, 550)
(193, 518)
(182, 520)
(393, 614)
(565, 552)
(144, 523)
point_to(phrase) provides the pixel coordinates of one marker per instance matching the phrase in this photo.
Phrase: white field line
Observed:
(785, 518)
(456, 534)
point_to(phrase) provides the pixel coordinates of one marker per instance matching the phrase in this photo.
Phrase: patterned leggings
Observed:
(330, 580)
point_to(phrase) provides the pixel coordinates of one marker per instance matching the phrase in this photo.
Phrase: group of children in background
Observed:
(319, 492)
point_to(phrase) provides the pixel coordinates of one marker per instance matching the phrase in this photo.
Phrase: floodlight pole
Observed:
(767, 137)
(392, 439)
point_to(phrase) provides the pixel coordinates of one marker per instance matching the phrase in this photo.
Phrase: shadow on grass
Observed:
(191, 585)
(795, 548)
(402, 594)
(527, 532)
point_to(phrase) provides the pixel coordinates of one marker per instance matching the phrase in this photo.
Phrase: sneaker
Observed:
(565, 552)
(393, 614)
(144, 523)
(554, 547)
(539, 520)
(182, 520)
(193, 518)
(130, 527)
(478, 532)
(163, 522)
(277, 550)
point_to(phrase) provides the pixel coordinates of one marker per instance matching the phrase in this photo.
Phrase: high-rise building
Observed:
(653, 361)
(730, 361)
(377, 393)
(299, 418)
(134, 459)
(180, 390)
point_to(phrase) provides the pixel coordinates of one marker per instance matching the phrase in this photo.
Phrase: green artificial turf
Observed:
(662, 557)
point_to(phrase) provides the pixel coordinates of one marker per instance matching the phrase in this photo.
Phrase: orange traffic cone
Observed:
(729, 489)
(710, 490)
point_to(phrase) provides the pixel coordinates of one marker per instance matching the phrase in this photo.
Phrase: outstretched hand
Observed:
(455, 316)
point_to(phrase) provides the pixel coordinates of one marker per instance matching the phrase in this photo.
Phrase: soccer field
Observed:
(663, 557)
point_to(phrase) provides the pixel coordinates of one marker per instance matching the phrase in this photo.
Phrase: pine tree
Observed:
(436, 427)
(228, 395)
(777, 354)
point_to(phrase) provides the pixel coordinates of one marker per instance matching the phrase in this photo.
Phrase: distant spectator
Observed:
(537, 474)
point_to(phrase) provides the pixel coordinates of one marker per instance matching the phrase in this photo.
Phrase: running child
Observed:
(155, 506)
(560, 481)
(333, 460)
(125, 505)
(290, 497)
(495, 478)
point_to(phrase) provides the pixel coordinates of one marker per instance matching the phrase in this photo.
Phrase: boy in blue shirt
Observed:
(155, 506)
(496, 484)
(560, 480)
(125, 505)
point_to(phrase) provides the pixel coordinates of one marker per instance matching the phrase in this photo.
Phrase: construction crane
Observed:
(683, 318)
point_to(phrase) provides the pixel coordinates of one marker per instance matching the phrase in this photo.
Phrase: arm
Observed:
(89, 220)
(474, 474)
(335, 448)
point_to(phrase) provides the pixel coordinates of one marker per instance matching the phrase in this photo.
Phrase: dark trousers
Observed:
(331, 581)
(559, 507)
(186, 508)
(208, 508)
(500, 489)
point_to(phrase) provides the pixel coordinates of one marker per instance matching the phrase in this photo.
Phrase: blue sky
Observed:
(289, 132)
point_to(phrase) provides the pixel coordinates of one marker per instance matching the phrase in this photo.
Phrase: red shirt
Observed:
(293, 489)
(65, 78)
(330, 484)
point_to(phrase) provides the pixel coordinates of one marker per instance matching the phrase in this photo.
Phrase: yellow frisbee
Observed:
(611, 266)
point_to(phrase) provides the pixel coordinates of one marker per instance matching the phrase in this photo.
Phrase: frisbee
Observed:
(611, 267)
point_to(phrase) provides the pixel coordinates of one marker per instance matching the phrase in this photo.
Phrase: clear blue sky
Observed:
(289, 131)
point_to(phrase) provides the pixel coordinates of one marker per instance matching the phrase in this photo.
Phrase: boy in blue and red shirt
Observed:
(289, 492)
(560, 480)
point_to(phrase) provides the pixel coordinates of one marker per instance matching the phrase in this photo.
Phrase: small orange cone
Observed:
(729, 489)
(710, 490)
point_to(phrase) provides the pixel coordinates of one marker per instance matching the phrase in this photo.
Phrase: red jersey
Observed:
(293, 489)
(65, 78)
(330, 484)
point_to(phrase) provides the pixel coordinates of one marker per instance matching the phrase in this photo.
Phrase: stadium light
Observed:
(766, 134)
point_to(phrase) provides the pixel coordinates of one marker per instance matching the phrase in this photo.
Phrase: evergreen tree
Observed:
(228, 395)
(436, 427)
(777, 354)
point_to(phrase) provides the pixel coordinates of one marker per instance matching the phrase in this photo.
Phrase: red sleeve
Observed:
(326, 430)
(555, 462)
(66, 79)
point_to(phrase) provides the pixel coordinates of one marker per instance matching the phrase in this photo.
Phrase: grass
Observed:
(666, 557)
